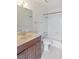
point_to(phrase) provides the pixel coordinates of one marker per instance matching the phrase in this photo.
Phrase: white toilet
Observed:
(46, 43)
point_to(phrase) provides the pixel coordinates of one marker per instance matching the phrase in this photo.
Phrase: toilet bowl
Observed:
(46, 43)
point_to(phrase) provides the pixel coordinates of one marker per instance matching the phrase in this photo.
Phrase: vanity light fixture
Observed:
(22, 3)
(19, 2)
(25, 5)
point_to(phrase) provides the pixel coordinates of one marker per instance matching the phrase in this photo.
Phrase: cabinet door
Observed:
(31, 52)
(22, 55)
(38, 50)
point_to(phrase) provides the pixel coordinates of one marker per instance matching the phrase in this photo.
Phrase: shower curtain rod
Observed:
(53, 13)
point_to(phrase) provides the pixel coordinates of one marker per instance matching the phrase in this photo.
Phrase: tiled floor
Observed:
(53, 53)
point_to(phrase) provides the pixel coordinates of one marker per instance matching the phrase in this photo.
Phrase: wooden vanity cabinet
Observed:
(32, 50)
(38, 50)
(22, 55)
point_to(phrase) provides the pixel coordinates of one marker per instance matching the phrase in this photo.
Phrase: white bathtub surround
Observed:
(52, 25)
(55, 29)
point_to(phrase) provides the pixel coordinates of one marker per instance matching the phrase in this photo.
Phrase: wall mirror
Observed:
(24, 19)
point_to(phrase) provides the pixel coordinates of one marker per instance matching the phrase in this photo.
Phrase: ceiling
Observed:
(50, 4)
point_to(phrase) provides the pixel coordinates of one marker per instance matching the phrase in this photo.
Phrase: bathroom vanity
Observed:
(28, 45)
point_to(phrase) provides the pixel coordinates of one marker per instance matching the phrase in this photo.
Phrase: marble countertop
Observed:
(25, 37)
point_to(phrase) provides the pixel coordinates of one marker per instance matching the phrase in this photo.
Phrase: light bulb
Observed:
(19, 2)
(25, 5)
